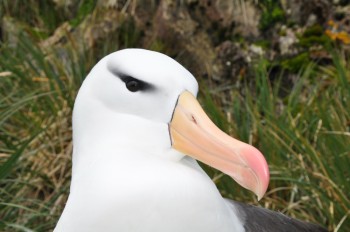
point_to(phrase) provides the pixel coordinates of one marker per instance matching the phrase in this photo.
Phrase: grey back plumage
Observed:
(264, 220)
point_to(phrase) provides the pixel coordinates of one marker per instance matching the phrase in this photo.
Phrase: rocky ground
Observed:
(218, 39)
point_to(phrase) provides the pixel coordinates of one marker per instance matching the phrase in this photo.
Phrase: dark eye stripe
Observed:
(134, 84)
(126, 78)
(144, 86)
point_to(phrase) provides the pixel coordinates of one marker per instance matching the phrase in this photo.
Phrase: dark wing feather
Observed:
(264, 220)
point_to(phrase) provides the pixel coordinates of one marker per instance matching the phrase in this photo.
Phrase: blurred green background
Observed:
(272, 73)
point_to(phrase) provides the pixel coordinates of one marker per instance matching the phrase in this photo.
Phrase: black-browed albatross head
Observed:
(154, 89)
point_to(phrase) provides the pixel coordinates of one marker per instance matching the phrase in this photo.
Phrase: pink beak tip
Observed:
(257, 162)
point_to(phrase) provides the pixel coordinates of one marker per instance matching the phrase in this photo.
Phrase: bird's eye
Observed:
(133, 85)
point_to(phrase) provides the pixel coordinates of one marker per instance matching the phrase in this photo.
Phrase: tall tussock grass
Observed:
(304, 135)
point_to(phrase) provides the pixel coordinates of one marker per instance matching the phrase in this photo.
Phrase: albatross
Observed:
(138, 132)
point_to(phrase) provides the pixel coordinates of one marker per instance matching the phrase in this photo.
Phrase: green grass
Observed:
(305, 135)
(36, 101)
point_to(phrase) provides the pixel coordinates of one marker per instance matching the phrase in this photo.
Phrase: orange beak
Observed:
(194, 134)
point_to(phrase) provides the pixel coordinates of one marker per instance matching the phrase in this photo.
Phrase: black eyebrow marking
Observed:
(145, 86)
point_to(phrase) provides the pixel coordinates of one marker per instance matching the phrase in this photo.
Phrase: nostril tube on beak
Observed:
(194, 120)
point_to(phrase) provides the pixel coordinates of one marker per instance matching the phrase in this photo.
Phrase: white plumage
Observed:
(131, 169)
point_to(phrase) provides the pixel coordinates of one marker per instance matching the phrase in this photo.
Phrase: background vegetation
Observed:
(293, 106)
